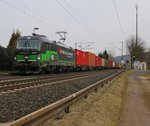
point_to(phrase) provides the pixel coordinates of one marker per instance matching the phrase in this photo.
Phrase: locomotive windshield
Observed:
(28, 44)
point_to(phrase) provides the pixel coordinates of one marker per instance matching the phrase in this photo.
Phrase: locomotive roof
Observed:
(40, 37)
(45, 39)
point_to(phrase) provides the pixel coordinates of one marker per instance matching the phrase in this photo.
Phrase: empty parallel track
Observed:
(27, 82)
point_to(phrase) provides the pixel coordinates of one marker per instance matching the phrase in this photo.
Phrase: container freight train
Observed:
(37, 54)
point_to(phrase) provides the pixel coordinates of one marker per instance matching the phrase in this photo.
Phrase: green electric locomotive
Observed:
(37, 54)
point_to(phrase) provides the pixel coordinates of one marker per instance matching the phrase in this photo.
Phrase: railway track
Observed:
(40, 116)
(24, 83)
(14, 79)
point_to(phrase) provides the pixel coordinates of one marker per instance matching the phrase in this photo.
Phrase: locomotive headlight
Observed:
(38, 57)
(26, 57)
(15, 58)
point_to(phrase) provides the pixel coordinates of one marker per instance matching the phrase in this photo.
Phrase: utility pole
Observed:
(122, 51)
(81, 45)
(75, 45)
(136, 23)
(132, 61)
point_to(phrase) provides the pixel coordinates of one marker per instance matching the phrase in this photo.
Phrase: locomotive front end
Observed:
(27, 55)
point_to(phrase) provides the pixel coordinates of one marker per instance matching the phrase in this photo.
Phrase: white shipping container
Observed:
(113, 64)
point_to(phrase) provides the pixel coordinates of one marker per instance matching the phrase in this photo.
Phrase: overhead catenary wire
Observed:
(115, 46)
(36, 13)
(118, 18)
(82, 21)
(27, 14)
(38, 17)
(76, 19)
(72, 35)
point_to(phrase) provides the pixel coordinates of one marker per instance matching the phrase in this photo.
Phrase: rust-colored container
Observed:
(116, 65)
(91, 59)
(97, 61)
(110, 63)
(102, 62)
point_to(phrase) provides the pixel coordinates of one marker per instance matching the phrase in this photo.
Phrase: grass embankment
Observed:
(99, 109)
(146, 89)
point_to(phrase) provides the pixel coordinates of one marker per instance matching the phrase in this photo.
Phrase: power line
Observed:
(24, 12)
(36, 13)
(78, 21)
(42, 17)
(115, 46)
(75, 13)
(118, 19)
(81, 20)
(33, 17)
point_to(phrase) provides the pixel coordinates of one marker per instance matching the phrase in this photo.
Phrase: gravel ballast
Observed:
(17, 104)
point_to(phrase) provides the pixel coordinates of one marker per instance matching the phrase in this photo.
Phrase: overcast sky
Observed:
(83, 20)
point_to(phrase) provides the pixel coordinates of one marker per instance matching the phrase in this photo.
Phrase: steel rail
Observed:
(7, 81)
(39, 117)
(39, 82)
(11, 79)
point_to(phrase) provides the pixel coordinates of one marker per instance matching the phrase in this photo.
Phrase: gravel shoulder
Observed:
(135, 112)
(99, 109)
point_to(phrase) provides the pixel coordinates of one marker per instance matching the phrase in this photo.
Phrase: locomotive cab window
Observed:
(28, 44)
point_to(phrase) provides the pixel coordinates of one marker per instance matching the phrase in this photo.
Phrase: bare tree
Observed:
(135, 48)
(111, 54)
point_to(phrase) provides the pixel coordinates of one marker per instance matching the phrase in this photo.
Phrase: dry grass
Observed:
(99, 109)
(146, 90)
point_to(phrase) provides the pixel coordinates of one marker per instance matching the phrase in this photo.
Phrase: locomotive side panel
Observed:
(66, 56)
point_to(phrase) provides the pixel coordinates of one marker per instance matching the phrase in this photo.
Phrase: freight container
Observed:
(81, 58)
(113, 64)
(91, 59)
(105, 62)
(110, 63)
(117, 65)
(102, 62)
(97, 61)
(86, 59)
